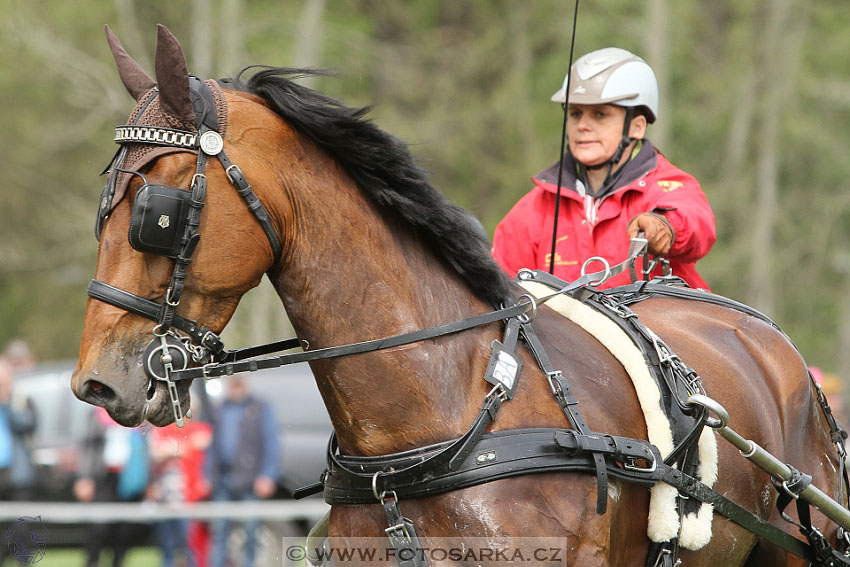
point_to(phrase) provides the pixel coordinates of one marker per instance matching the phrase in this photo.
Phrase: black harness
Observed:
(478, 457)
(165, 221)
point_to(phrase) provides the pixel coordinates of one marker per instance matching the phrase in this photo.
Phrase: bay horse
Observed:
(360, 246)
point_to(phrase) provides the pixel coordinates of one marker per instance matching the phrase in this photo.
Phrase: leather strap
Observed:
(639, 291)
(150, 309)
(236, 177)
(402, 534)
(227, 368)
(569, 404)
(496, 455)
(190, 242)
(692, 487)
(199, 334)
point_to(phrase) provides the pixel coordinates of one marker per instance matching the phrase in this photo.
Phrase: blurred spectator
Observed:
(17, 422)
(19, 354)
(176, 461)
(198, 487)
(114, 467)
(242, 462)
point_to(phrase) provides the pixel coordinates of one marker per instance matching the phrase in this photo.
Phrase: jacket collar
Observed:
(644, 162)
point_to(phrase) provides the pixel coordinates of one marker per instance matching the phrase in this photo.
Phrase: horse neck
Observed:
(354, 274)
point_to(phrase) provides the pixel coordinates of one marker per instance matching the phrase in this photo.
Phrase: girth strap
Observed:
(500, 454)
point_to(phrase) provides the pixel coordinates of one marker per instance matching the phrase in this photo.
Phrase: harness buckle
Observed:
(553, 383)
(168, 298)
(196, 177)
(498, 392)
(234, 174)
(398, 531)
(630, 465)
(204, 370)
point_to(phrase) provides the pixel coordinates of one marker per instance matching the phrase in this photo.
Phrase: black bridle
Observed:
(154, 229)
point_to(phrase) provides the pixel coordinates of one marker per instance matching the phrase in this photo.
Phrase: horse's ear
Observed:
(135, 79)
(172, 76)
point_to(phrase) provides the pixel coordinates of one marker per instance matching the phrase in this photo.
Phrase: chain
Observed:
(156, 136)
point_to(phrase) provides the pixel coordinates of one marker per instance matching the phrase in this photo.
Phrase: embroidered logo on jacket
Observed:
(668, 186)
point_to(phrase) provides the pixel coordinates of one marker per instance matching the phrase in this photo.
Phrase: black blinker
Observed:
(159, 218)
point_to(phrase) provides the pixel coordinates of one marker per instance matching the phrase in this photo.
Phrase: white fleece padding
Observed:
(663, 523)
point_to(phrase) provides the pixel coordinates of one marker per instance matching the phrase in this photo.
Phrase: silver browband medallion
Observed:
(211, 143)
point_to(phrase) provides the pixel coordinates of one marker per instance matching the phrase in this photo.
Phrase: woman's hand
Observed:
(657, 230)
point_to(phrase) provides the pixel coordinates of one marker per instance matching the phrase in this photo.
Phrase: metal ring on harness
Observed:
(722, 419)
(526, 317)
(525, 274)
(375, 486)
(163, 355)
(605, 274)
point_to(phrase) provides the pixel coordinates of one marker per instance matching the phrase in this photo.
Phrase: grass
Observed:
(76, 557)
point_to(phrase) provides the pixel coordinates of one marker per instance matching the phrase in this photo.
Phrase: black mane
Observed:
(384, 168)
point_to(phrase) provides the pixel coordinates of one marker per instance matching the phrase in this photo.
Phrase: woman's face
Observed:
(594, 131)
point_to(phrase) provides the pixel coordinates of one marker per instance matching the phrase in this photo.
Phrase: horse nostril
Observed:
(98, 393)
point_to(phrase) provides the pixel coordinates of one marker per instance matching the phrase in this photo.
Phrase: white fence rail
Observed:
(144, 512)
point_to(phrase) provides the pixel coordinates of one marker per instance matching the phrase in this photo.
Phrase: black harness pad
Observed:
(160, 214)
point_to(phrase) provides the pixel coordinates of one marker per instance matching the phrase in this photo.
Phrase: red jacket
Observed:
(590, 227)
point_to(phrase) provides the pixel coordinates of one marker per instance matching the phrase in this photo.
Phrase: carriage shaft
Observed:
(779, 470)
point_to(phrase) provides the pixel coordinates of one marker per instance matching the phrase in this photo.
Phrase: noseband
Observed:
(165, 221)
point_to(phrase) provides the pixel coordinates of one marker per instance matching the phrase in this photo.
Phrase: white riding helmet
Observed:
(612, 76)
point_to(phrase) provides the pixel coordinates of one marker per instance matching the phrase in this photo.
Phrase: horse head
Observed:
(111, 368)
(342, 220)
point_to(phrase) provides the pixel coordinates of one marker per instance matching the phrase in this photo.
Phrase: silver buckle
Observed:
(630, 466)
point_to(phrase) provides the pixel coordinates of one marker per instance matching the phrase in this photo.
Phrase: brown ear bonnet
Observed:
(166, 104)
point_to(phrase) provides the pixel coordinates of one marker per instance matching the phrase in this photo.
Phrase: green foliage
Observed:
(467, 84)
